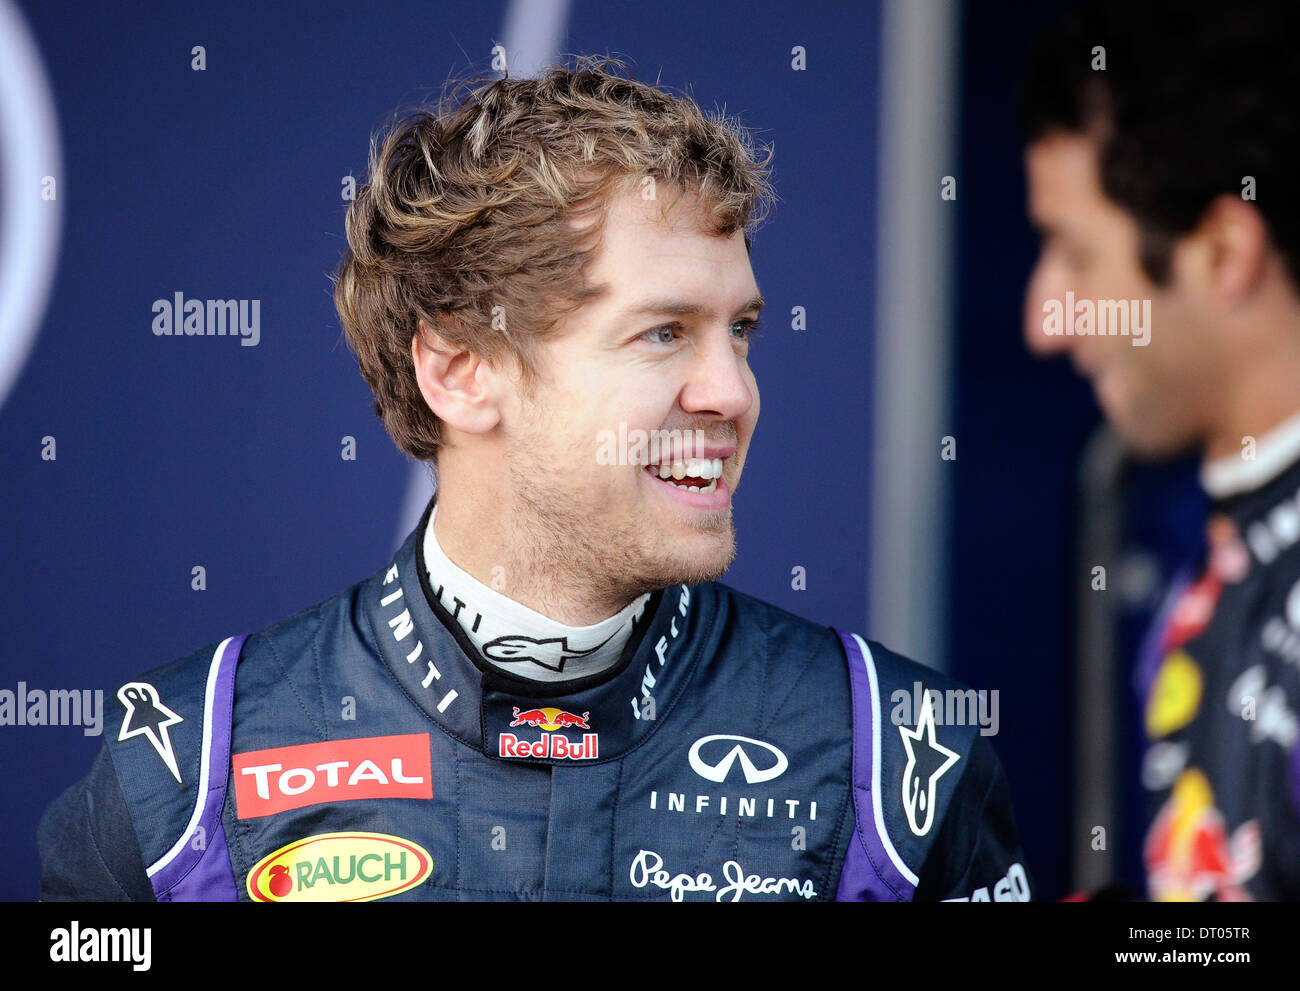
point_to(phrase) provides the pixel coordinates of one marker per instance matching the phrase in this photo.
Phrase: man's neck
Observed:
(1256, 433)
(516, 639)
(485, 539)
(1258, 388)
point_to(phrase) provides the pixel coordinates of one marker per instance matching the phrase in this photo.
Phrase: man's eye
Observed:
(657, 335)
(749, 328)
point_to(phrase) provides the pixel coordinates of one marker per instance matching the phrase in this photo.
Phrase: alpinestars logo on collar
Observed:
(926, 764)
(550, 653)
(147, 716)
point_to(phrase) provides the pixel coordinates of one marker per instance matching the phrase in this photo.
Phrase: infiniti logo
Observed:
(740, 752)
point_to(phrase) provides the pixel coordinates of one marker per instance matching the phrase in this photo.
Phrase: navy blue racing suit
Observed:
(362, 749)
(1220, 681)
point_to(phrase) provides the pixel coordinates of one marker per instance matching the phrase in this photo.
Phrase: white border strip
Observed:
(907, 581)
(202, 800)
(875, 765)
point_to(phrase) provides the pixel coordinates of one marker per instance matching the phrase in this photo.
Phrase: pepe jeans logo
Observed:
(774, 760)
(648, 871)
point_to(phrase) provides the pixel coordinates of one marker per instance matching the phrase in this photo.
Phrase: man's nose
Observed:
(1038, 318)
(719, 383)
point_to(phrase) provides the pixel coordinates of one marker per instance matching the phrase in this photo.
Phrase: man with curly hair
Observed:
(548, 289)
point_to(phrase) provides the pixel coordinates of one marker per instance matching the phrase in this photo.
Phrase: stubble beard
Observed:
(572, 549)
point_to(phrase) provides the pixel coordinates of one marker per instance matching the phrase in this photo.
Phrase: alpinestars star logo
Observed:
(550, 653)
(147, 716)
(926, 764)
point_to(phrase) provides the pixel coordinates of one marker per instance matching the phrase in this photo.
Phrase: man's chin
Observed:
(703, 559)
(1145, 439)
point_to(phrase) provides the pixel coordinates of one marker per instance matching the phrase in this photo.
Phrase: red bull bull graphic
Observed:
(550, 719)
(551, 745)
(1189, 853)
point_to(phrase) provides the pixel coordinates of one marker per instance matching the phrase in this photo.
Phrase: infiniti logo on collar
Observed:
(741, 752)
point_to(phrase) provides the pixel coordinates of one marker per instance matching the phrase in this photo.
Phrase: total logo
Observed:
(718, 758)
(551, 745)
(283, 778)
(340, 867)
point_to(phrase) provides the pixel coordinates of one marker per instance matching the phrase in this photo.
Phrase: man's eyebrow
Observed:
(681, 308)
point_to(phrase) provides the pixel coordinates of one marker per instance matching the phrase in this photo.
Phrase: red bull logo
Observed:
(551, 746)
(550, 719)
(1190, 856)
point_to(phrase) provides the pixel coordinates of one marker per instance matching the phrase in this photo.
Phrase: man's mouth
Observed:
(693, 474)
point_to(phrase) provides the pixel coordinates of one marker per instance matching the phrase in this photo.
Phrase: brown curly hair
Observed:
(479, 216)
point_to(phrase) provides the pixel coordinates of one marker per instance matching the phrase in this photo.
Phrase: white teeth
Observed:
(709, 469)
(658, 472)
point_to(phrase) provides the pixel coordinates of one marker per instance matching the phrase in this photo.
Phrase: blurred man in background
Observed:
(1161, 157)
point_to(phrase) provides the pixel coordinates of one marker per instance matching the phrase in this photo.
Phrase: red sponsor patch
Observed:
(283, 778)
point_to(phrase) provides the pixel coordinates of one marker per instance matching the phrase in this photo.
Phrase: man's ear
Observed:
(459, 385)
(1237, 245)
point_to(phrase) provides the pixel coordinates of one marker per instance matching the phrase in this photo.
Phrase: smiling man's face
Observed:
(664, 349)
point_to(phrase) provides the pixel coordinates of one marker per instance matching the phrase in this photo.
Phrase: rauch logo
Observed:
(340, 867)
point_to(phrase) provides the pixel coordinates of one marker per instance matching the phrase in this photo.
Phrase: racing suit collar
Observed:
(1275, 453)
(509, 636)
(589, 719)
